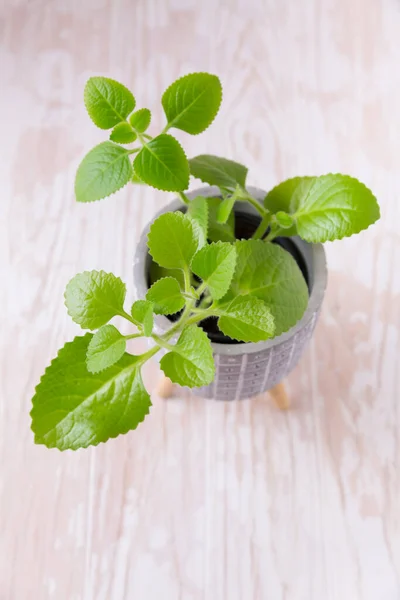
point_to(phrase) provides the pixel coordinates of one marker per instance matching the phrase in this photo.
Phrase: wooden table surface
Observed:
(206, 500)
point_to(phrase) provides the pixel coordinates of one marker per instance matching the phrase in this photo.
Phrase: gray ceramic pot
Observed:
(244, 370)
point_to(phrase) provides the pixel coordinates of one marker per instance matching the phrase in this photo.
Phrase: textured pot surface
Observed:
(244, 370)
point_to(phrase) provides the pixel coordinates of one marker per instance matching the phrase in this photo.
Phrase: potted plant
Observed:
(229, 279)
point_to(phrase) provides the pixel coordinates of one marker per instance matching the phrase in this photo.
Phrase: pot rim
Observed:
(318, 277)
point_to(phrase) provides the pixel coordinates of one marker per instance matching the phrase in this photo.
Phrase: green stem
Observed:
(133, 150)
(186, 276)
(162, 343)
(275, 231)
(183, 197)
(133, 335)
(255, 204)
(128, 317)
(204, 314)
(262, 228)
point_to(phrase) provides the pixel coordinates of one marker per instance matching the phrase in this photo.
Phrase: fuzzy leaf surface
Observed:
(224, 232)
(219, 171)
(192, 102)
(246, 319)
(173, 240)
(191, 363)
(166, 296)
(105, 348)
(104, 170)
(140, 119)
(107, 101)
(162, 164)
(73, 408)
(93, 298)
(198, 212)
(268, 272)
(215, 265)
(123, 134)
(142, 313)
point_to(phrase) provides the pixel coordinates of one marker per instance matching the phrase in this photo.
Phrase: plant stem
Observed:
(133, 150)
(162, 343)
(186, 276)
(183, 197)
(255, 204)
(133, 335)
(128, 317)
(262, 228)
(275, 231)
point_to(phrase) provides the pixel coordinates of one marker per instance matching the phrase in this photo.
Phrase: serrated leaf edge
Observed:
(219, 105)
(93, 444)
(115, 191)
(105, 99)
(101, 272)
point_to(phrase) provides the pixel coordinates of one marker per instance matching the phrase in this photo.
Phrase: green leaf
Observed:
(123, 134)
(191, 362)
(103, 171)
(157, 272)
(215, 264)
(246, 319)
(162, 164)
(268, 272)
(173, 240)
(284, 220)
(142, 314)
(198, 212)
(140, 119)
(73, 408)
(192, 102)
(215, 170)
(108, 102)
(324, 208)
(224, 232)
(92, 298)
(334, 207)
(105, 348)
(166, 296)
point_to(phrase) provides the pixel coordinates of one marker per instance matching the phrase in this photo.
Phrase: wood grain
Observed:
(211, 501)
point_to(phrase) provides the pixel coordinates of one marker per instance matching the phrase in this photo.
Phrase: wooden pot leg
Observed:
(279, 396)
(165, 388)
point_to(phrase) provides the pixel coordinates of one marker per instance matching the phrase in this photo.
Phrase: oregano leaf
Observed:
(246, 319)
(166, 296)
(224, 232)
(191, 362)
(93, 298)
(173, 240)
(105, 348)
(334, 207)
(103, 171)
(162, 164)
(73, 408)
(215, 264)
(270, 273)
(284, 220)
(142, 314)
(140, 119)
(123, 134)
(192, 102)
(198, 212)
(107, 101)
(219, 171)
(157, 272)
(324, 208)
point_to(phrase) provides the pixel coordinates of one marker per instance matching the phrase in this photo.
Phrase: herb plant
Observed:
(93, 389)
